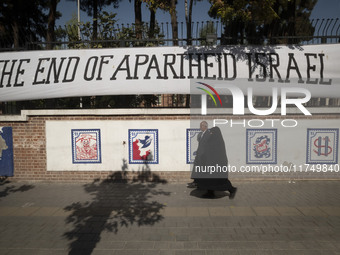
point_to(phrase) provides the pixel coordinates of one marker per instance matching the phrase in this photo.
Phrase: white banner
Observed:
(167, 70)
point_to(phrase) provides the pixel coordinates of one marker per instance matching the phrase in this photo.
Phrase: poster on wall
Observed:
(192, 144)
(86, 146)
(143, 146)
(261, 146)
(322, 145)
(6, 151)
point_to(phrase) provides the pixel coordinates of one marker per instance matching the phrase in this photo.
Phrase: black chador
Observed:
(215, 155)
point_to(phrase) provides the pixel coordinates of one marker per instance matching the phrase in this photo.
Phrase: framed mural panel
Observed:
(6, 151)
(261, 146)
(86, 146)
(322, 145)
(192, 144)
(143, 146)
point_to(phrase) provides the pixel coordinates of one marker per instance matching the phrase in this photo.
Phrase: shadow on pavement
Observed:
(5, 190)
(117, 203)
(199, 194)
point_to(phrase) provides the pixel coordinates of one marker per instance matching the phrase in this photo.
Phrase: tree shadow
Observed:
(5, 190)
(118, 202)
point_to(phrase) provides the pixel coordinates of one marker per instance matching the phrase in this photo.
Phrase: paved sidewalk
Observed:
(266, 217)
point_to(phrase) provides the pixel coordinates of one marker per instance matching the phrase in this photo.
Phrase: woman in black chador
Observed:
(216, 156)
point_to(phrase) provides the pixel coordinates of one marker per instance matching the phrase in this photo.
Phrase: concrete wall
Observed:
(115, 144)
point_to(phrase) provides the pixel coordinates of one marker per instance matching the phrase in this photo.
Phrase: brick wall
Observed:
(29, 148)
(29, 145)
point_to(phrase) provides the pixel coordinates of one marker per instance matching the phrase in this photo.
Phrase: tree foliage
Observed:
(92, 8)
(170, 7)
(294, 24)
(18, 16)
(111, 36)
(256, 21)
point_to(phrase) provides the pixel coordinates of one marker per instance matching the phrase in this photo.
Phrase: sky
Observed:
(125, 12)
